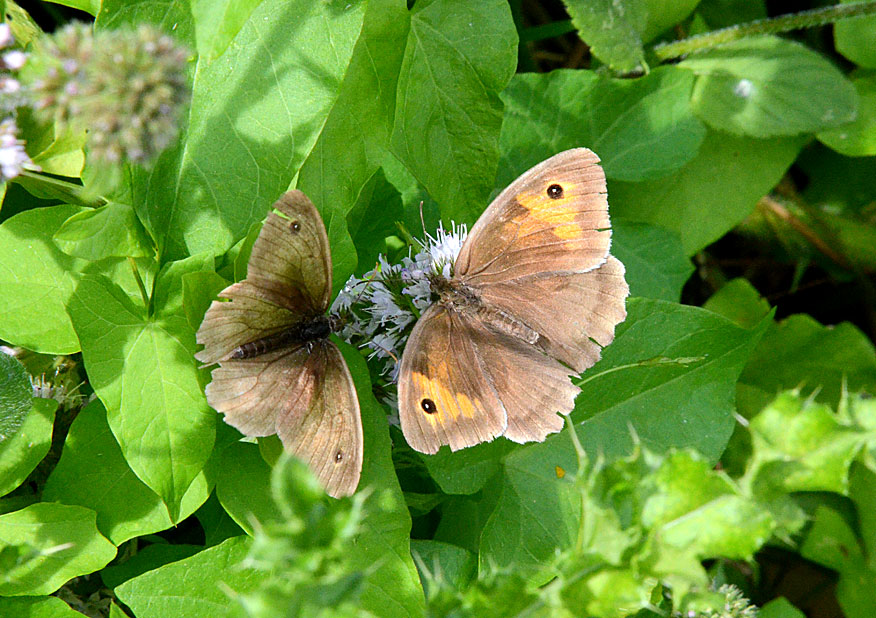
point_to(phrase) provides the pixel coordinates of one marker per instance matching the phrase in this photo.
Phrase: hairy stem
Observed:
(784, 23)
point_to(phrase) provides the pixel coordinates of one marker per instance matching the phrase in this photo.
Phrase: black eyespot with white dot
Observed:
(428, 406)
(295, 227)
(555, 192)
(339, 457)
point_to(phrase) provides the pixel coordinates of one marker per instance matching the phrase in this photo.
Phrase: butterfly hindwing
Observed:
(575, 315)
(327, 431)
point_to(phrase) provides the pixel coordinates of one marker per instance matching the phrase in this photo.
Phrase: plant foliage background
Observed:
(726, 437)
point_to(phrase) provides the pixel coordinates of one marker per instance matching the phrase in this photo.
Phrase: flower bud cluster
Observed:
(126, 87)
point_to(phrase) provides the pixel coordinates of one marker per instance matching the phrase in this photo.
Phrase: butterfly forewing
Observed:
(288, 280)
(444, 395)
(552, 219)
(291, 254)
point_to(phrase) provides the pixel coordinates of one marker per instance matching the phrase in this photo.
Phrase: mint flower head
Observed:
(128, 88)
(379, 309)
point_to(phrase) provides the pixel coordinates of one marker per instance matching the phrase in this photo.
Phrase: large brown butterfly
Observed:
(534, 297)
(278, 370)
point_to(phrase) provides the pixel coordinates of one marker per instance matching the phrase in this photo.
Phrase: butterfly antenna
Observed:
(373, 344)
(423, 220)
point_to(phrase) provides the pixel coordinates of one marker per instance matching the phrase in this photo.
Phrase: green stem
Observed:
(67, 192)
(143, 293)
(784, 23)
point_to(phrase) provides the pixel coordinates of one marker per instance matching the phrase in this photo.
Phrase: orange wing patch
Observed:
(560, 215)
(449, 406)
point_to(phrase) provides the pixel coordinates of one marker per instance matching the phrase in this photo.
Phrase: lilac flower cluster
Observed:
(379, 309)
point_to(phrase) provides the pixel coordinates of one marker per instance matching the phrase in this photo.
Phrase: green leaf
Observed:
(252, 122)
(146, 559)
(862, 491)
(203, 586)
(216, 522)
(467, 470)
(216, 24)
(612, 31)
(20, 454)
(36, 607)
(65, 544)
(832, 542)
(856, 39)
(373, 218)
(144, 371)
(858, 138)
(663, 14)
(800, 352)
(242, 477)
(109, 231)
(658, 514)
(654, 259)
(355, 137)
(459, 56)
(712, 193)
(473, 510)
(740, 302)
(695, 507)
(800, 445)
(382, 548)
(93, 473)
(200, 289)
(63, 156)
(640, 128)
(780, 608)
(37, 280)
(615, 31)
(24, 28)
(89, 6)
(670, 375)
(768, 87)
(16, 394)
(452, 564)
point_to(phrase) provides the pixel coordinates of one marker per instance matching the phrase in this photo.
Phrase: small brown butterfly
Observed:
(534, 297)
(278, 370)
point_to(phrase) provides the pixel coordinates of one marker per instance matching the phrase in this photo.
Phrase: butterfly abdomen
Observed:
(465, 299)
(306, 331)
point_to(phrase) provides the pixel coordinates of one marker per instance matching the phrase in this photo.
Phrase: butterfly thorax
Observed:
(305, 332)
(457, 296)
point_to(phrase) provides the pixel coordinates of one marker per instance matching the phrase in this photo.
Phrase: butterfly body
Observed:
(455, 295)
(533, 298)
(307, 332)
(279, 371)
